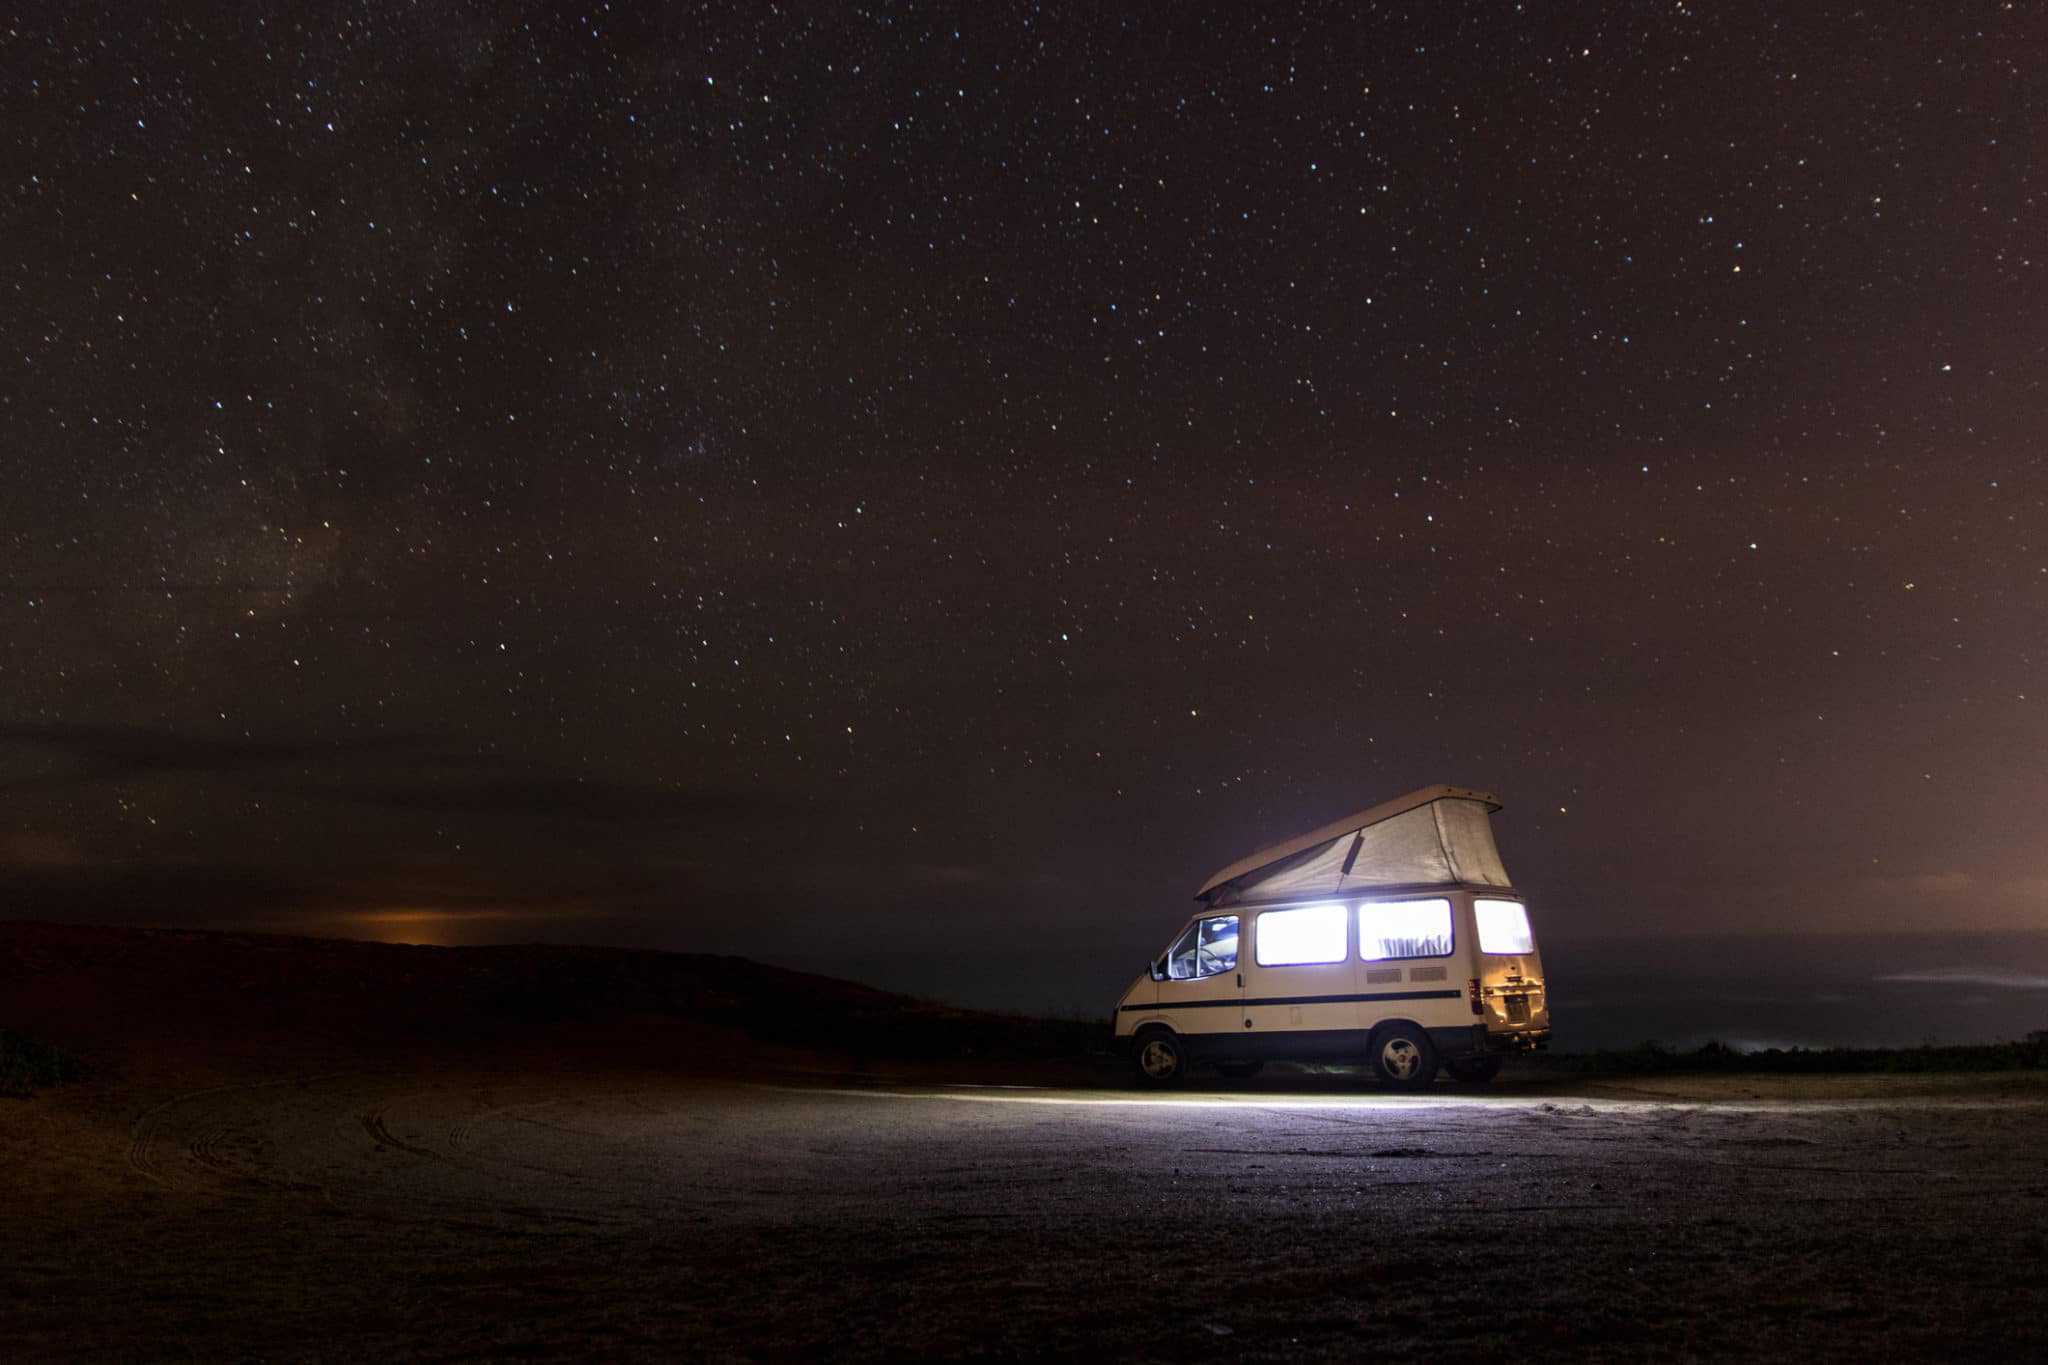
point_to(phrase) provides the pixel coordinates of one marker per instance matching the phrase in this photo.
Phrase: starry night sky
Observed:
(809, 480)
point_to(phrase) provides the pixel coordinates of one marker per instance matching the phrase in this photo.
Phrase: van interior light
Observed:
(1314, 933)
(1503, 927)
(1395, 929)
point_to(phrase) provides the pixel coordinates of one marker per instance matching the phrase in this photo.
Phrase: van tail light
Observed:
(1472, 994)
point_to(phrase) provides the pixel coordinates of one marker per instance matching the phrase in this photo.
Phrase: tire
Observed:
(1159, 1059)
(1403, 1057)
(1473, 1070)
(1240, 1071)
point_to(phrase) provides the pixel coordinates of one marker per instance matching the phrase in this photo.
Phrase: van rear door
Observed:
(1511, 985)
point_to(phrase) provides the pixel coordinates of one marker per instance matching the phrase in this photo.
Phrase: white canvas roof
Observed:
(1439, 834)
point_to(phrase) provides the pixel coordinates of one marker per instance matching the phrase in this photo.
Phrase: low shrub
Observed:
(1930, 1058)
(27, 1065)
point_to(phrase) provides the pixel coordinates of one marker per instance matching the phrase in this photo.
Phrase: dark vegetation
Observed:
(1932, 1058)
(27, 1065)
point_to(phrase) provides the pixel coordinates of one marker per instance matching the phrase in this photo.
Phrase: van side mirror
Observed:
(1158, 969)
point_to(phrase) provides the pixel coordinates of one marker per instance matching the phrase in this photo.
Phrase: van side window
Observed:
(1208, 948)
(1391, 929)
(1314, 933)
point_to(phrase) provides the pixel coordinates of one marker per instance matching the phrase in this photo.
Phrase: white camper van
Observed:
(1391, 937)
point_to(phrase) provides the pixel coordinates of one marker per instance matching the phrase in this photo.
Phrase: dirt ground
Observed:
(535, 1211)
(304, 1150)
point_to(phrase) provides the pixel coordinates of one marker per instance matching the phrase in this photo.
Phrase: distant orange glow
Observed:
(436, 926)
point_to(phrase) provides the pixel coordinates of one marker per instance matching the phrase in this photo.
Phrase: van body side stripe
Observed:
(1301, 1000)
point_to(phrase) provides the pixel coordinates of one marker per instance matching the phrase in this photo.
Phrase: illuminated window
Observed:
(1289, 938)
(1389, 929)
(1503, 927)
(1206, 949)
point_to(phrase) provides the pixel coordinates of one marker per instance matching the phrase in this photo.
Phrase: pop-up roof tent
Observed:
(1439, 835)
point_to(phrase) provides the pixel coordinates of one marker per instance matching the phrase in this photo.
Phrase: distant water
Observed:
(1750, 992)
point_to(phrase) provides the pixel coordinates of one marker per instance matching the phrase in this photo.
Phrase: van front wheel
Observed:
(1403, 1056)
(1159, 1058)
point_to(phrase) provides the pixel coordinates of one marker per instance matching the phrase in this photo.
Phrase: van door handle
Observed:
(1240, 978)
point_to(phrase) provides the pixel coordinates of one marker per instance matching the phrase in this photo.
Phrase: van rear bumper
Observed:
(1478, 1040)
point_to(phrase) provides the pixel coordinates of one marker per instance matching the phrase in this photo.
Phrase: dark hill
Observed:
(113, 991)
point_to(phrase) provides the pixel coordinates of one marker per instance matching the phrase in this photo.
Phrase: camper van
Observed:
(1391, 937)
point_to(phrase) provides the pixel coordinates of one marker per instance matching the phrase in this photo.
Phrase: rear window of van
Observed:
(1503, 927)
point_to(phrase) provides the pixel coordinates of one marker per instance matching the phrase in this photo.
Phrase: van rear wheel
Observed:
(1403, 1056)
(1159, 1058)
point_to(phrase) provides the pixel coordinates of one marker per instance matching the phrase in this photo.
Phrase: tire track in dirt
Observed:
(492, 1171)
(468, 1133)
(373, 1122)
(144, 1132)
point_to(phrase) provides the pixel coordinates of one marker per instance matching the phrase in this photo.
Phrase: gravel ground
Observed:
(551, 1208)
